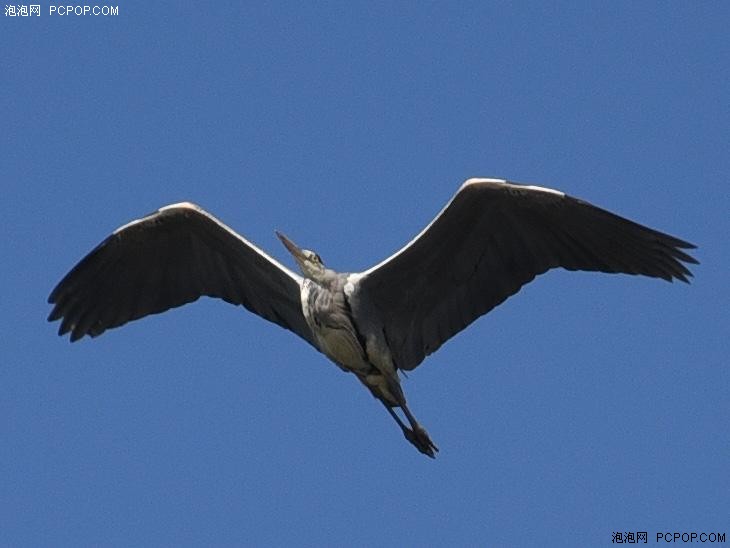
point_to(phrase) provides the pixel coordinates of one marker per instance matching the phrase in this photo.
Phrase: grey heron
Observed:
(489, 240)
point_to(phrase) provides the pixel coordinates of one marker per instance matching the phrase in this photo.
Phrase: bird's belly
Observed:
(341, 347)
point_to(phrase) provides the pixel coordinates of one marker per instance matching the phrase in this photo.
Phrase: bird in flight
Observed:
(492, 238)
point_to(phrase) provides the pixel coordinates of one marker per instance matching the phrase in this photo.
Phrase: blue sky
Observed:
(587, 404)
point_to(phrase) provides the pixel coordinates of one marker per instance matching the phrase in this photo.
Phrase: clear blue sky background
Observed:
(585, 405)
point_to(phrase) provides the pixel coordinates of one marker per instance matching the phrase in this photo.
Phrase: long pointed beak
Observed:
(291, 246)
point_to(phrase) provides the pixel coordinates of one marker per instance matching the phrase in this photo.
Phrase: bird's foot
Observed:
(419, 438)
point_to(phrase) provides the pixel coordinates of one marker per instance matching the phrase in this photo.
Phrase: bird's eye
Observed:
(317, 258)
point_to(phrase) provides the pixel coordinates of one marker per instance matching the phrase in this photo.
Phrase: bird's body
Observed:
(328, 315)
(351, 342)
(488, 241)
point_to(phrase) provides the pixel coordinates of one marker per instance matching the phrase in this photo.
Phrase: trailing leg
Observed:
(417, 435)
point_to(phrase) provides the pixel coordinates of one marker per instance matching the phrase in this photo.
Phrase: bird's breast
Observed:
(327, 315)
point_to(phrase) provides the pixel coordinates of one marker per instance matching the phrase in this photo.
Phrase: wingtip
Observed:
(54, 315)
(53, 295)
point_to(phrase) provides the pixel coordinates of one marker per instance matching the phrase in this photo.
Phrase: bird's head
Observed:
(309, 262)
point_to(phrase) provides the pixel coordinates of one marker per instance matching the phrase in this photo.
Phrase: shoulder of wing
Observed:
(502, 185)
(475, 188)
(180, 210)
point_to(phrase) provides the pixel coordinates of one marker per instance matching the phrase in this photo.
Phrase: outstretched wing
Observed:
(167, 259)
(492, 238)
